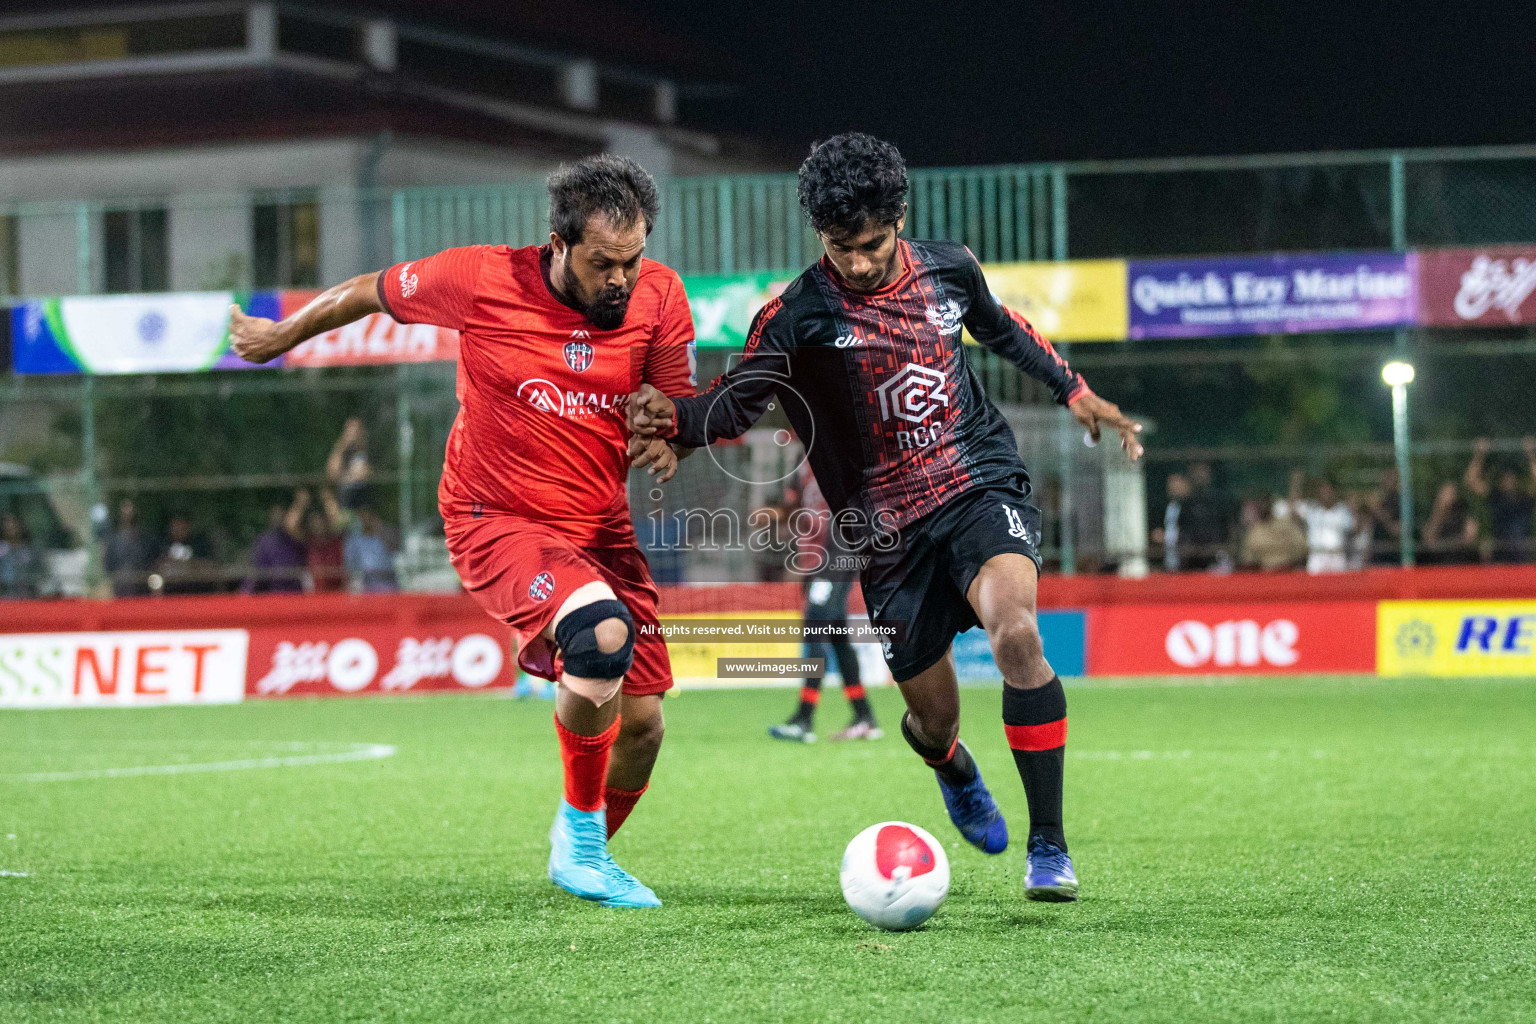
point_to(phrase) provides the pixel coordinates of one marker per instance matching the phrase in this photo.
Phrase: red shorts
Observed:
(521, 571)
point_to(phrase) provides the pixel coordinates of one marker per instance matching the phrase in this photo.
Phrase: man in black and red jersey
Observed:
(864, 353)
(553, 339)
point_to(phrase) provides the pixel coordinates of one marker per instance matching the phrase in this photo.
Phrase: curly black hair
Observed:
(850, 179)
(614, 185)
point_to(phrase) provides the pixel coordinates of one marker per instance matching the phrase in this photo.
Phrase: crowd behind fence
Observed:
(191, 483)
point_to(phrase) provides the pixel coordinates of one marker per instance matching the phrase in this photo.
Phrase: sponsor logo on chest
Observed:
(910, 397)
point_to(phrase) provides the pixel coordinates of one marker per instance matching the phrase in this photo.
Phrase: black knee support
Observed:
(576, 636)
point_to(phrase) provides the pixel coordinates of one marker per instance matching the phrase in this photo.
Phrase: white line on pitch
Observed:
(364, 752)
(14, 874)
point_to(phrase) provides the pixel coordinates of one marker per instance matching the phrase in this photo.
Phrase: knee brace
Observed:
(576, 636)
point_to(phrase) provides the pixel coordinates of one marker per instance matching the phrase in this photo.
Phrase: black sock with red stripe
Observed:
(810, 695)
(954, 764)
(1036, 724)
(859, 701)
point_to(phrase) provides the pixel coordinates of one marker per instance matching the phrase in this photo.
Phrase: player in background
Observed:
(864, 352)
(552, 340)
(829, 577)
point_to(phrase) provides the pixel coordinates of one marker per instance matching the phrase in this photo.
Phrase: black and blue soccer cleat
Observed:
(975, 814)
(1049, 877)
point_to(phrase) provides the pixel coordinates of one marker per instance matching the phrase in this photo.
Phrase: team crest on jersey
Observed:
(542, 586)
(578, 355)
(946, 317)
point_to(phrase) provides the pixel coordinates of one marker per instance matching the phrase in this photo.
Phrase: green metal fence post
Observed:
(725, 207)
(83, 274)
(1064, 420)
(1397, 166)
(397, 227)
(405, 442)
(93, 536)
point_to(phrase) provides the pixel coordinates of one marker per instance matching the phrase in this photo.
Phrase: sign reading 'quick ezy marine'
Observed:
(1270, 294)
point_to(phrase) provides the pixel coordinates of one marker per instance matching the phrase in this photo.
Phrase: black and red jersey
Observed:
(878, 386)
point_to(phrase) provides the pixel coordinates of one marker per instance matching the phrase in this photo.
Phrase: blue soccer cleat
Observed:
(975, 814)
(580, 864)
(792, 731)
(1049, 877)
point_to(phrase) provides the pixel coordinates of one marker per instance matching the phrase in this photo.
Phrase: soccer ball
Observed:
(894, 875)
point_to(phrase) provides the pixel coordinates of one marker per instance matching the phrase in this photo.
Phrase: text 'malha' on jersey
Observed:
(540, 431)
(878, 386)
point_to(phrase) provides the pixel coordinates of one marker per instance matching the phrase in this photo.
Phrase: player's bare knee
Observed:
(611, 634)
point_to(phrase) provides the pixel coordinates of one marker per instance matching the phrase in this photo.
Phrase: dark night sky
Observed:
(962, 82)
(967, 82)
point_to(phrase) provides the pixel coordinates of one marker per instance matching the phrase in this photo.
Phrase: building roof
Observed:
(87, 76)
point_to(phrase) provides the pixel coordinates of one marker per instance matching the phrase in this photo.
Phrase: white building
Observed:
(231, 144)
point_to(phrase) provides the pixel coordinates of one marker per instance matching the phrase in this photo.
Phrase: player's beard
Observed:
(607, 308)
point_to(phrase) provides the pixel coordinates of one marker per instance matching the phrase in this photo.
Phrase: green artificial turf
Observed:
(1278, 850)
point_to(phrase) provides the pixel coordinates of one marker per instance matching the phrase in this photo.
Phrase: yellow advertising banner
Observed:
(1456, 638)
(1076, 300)
(694, 662)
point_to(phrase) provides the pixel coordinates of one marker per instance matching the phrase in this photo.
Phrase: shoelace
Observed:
(1049, 855)
(972, 806)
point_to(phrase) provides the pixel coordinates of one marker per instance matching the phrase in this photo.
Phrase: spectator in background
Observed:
(1511, 504)
(1329, 523)
(1168, 535)
(369, 555)
(320, 526)
(128, 553)
(1271, 543)
(186, 564)
(277, 559)
(347, 468)
(1450, 533)
(1206, 523)
(21, 561)
(1382, 512)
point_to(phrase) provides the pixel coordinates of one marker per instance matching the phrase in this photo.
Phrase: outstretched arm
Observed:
(259, 340)
(436, 289)
(1016, 340)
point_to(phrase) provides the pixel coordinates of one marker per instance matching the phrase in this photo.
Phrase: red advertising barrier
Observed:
(1441, 583)
(287, 646)
(1183, 639)
(147, 650)
(1491, 285)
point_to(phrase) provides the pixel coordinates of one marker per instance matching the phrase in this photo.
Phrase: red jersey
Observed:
(540, 431)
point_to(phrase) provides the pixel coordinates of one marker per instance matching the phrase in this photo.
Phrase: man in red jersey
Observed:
(553, 340)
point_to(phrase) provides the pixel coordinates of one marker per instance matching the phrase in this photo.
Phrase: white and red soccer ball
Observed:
(894, 875)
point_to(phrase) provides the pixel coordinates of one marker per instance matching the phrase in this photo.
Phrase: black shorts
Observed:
(922, 581)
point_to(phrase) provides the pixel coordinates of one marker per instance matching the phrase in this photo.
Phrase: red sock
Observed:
(620, 803)
(586, 765)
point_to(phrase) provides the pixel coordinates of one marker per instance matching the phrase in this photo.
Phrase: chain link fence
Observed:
(221, 451)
